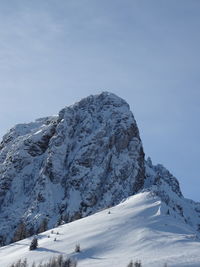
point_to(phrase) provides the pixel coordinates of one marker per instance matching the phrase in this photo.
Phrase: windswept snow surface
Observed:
(136, 229)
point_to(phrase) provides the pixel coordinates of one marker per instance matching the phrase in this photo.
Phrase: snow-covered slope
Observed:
(139, 228)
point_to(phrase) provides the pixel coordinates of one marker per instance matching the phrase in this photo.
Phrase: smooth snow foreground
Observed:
(137, 229)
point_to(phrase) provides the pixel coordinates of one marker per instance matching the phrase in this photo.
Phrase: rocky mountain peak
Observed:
(68, 166)
(87, 158)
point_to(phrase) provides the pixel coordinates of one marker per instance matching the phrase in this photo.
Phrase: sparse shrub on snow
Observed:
(168, 213)
(77, 248)
(58, 261)
(34, 244)
(135, 264)
(130, 264)
(20, 263)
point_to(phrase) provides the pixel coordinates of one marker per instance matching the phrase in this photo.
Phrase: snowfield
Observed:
(139, 228)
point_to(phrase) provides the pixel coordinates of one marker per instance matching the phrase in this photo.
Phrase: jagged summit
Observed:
(105, 97)
(89, 157)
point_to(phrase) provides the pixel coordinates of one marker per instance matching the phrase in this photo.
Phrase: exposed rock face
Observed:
(68, 166)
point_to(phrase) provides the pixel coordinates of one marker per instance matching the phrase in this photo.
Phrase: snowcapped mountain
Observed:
(66, 167)
(88, 158)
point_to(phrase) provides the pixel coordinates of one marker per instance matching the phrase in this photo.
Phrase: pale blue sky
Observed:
(54, 52)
